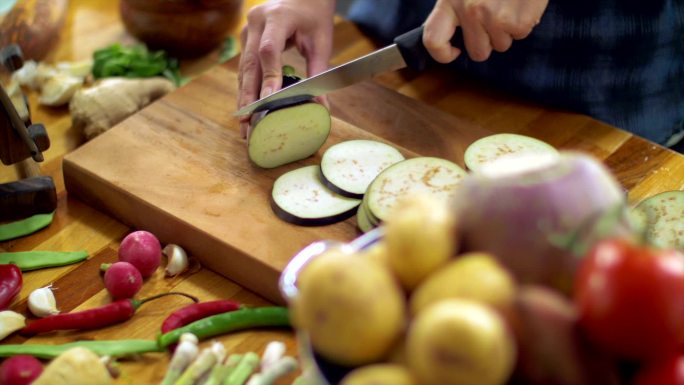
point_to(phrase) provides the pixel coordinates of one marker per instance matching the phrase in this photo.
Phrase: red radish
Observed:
(142, 250)
(122, 280)
(20, 370)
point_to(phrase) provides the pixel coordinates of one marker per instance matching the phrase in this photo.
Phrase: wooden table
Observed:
(642, 167)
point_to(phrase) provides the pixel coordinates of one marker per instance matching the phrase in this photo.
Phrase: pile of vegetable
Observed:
(140, 256)
(533, 272)
(126, 80)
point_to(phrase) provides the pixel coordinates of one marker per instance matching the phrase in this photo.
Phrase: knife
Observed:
(406, 51)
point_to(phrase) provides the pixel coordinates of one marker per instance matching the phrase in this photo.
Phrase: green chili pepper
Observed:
(25, 226)
(32, 260)
(231, 321)
(114, 348)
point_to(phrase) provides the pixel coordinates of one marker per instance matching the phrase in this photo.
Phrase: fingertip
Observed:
(445, 55)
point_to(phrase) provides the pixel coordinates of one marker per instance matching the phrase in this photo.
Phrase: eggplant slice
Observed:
(436, 176)
(349, 167)
(288, 134)
(300, 197)
(492, 147)
(663, 217)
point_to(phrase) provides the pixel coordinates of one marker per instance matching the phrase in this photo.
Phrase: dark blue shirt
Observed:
(619, 61)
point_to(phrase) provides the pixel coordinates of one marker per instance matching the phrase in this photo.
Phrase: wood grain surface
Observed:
(642, 167)
(179, 169)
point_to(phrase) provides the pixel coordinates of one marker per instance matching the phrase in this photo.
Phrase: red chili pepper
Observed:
(10, 284)
(109, 314)
(197, 311)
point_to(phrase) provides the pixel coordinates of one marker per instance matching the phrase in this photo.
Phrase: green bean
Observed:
(25, 226)
(113, 348)
(231, 321)
(32, 260)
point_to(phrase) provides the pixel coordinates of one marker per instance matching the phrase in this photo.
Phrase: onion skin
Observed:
(524, 219)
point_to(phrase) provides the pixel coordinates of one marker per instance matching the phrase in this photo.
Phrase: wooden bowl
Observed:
(183, 28)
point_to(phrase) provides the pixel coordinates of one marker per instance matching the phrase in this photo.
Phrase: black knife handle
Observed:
(413, 51)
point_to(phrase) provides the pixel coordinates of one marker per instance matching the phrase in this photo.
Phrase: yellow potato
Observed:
(476, 276)
(377, 252)
(460, 342)
(420, 237)
(351, 307)
(379, 374)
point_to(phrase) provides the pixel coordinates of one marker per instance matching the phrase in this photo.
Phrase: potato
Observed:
(460, 342)
(419, 234)
(76, 366)
(379, 374)
(476, 276)
(350, 306)
(377, 252)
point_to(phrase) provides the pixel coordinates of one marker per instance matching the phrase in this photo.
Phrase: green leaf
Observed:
(135, 62)
(229, 49)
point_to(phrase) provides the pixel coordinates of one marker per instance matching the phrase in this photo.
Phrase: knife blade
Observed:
(407, 50)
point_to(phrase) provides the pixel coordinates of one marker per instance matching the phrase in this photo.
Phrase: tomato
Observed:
(630, 299)
(666, 372)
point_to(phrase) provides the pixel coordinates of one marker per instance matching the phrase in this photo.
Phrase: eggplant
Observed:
(662, 215)
(288, 133)
(299, 197)
(435, 176)
(492, 147)
(349, 167)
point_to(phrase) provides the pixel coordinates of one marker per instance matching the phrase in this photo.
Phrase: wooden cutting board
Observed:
(179, 169)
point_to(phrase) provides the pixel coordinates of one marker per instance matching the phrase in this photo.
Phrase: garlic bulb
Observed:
(177, 260)
(10, 322)
(41, 302)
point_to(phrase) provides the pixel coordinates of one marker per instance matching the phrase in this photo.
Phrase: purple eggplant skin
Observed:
(551, 347)
(320, 221)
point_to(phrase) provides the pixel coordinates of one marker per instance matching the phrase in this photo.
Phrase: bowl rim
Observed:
(287, 283)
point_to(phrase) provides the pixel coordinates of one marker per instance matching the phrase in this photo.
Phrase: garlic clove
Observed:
(42, 303)
(177, 260)
(58, 89)
(10, 322)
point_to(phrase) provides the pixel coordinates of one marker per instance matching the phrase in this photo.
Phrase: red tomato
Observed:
(667, 372)
(630, 299)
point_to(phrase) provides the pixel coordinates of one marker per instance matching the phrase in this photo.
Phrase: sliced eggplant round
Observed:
(492, 147)
(349, 167)
(288, 134)
(299, 197)
(663, 218)
(435, 176)
(362, 221)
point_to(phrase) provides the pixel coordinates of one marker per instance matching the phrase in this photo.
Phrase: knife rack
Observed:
(22, 144)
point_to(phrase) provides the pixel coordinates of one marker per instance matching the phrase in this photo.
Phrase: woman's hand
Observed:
(487, 25)
(270, 28)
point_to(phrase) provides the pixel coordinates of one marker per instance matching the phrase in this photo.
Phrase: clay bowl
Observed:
(183, 28)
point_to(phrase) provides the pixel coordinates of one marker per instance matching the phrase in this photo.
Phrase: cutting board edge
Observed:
(238, 270)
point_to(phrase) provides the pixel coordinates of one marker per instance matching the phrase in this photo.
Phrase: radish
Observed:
(20, 370)
(143, 250)
(539, 213)
(122, 280)
(300, 197)
(492, 147)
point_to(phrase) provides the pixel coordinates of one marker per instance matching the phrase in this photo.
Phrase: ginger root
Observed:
(96, 109)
